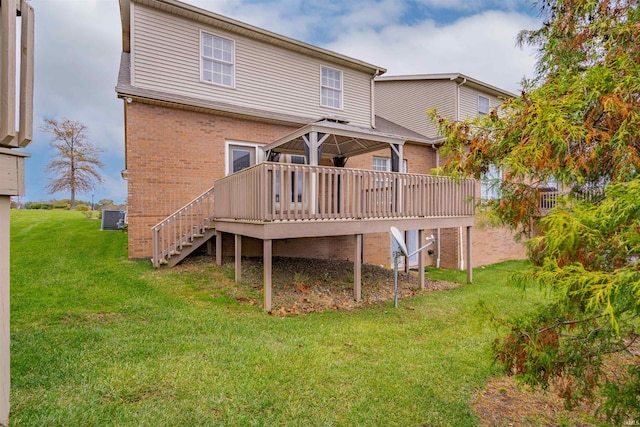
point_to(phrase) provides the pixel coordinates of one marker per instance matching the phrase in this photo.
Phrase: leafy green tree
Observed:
(105, 204)
(577, 122)
(75, 161)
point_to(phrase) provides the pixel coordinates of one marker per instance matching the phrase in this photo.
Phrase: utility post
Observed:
(12, 161)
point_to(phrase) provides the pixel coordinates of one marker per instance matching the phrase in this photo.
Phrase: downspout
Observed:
(437, 149)
(457, 99)
(460, 251)
(373, 98)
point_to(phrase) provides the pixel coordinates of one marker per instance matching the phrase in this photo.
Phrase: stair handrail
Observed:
(181, 227)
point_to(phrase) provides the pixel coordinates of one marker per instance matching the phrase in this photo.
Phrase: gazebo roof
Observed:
(343, 140)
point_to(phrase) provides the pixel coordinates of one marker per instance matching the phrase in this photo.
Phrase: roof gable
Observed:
(188, 11)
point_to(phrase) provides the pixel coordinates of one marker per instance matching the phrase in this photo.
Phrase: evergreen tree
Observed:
(578, 123)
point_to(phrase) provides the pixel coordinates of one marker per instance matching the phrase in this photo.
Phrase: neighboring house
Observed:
(261, 145)
(405, 100)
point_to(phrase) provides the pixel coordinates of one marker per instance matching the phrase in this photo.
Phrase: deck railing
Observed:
(547, 199)
(182, 227)
(286, 192)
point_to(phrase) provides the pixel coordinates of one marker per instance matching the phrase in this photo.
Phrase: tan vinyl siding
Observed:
(469, 101)
(407, 102)
(166, 58)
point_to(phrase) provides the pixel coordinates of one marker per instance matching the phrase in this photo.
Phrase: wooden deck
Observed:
(271, 201)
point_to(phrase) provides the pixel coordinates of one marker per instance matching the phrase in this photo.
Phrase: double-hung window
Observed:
(330, 87)
(483, 105)
(383, 164)
(218, 60)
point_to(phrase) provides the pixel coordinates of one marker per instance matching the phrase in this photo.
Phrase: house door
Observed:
(290, 187)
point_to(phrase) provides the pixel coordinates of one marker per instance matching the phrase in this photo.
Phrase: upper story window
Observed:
(483, 105)
(218, 60)
(490, 183)
(330, 87)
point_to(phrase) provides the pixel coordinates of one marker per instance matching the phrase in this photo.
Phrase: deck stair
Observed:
(184, 231)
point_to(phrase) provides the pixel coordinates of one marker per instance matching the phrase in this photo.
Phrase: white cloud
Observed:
(77, 55)
(367, 14)
(311, 18)
(481, 46)
(113, 188)
(291, 18)
(474, 5)
(76, 65)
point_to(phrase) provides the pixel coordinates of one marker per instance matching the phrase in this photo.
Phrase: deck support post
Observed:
(421, 258)
(238, 257)
(218, 248)
(357, 269)
(5, 212)
(469, 269)
(267, 253)
(313, 161)
(397, 166)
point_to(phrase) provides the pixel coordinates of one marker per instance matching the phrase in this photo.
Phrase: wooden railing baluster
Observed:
(292, 191)
(170, 234)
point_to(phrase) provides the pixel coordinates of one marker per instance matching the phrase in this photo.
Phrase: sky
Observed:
(78, 45)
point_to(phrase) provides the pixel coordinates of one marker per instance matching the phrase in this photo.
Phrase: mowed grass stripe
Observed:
(101, 340)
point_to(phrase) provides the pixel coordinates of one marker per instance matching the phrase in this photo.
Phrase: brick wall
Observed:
(173, 156)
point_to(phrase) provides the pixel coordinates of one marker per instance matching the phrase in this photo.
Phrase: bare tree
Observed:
(75, 162)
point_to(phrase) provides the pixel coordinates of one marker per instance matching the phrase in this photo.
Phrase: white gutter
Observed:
(438, 229)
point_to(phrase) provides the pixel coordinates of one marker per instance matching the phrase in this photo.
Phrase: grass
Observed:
(98, 340)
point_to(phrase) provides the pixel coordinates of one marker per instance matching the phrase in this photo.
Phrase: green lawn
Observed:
(98, 340)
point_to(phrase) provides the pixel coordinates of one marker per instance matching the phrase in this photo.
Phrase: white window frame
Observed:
(330, 88)
(490, 184)
(387, 161)
(228, 143)
(204, 58)
(482, 113)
